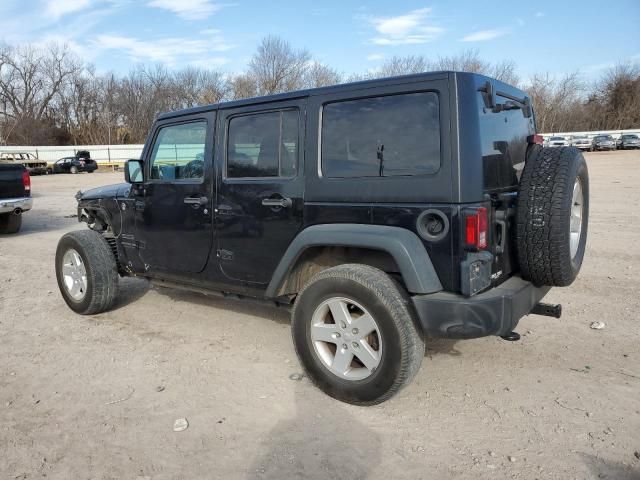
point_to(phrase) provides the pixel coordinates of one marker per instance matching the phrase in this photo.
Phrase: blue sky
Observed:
(352, 36)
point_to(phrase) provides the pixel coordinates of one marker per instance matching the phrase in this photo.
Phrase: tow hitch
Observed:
(547, 310)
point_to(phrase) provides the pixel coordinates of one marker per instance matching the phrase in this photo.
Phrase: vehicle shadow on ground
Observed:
(37, 225)
(601, 468)
(323, 440)
(441, 346)
(244, 306)
(129, 290)
(280, 314)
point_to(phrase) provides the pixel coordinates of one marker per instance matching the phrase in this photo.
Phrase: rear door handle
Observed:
(277, 202)
(196, 200)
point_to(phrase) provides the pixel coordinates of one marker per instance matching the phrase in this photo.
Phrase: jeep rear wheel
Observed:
(355, 334)
(552, 216)
(86, 272)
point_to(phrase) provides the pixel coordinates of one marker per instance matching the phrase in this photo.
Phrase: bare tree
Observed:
(47, 96)
(404, 65)
(277, 67)
(554, 99)
(618, 95)
(196, 86)
(31, 82)
(243, 86)
(320, 75)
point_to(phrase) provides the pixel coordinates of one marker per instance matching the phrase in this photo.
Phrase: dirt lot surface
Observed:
(96, 397)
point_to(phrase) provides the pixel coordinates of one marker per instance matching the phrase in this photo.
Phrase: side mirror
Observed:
(133, 171)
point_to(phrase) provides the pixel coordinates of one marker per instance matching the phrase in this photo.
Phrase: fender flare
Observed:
(403, 245)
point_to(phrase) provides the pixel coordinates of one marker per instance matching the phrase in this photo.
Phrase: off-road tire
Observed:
(102, 271)
(544, 214)
(10, 223)
(389, 304)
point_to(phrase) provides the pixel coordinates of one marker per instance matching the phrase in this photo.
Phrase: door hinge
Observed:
(224, 254)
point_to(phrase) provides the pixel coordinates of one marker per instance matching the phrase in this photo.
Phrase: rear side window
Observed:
(381, 136)
(263, 145)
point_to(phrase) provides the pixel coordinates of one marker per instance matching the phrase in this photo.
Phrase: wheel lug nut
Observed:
(355, 344)
(344, 346)
(343, 325)
(354, 331)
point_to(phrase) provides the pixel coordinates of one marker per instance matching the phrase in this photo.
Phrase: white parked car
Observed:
(583, 142)
(557, 142)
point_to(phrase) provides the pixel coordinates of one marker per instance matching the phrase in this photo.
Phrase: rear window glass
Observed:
(381, 136)
(263, 145)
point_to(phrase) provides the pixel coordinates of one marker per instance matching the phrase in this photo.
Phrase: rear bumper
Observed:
(11, 204)
(494, 312)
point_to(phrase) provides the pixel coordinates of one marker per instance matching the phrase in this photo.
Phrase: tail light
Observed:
(535, 139)
(476, 228)
(26, 181)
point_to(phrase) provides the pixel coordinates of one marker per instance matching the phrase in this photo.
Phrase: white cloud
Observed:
(166, 50)
(375, 56)
(58, 8)
(484, 35)
(411, 28)
(539, 14)
(188, 9)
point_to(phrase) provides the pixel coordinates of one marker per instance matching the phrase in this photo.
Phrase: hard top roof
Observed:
(378, 82)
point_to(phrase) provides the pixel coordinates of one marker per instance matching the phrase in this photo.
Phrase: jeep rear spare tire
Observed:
(355, 334)
(552, 215)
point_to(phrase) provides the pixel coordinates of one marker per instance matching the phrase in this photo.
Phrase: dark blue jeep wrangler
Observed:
(382, 212)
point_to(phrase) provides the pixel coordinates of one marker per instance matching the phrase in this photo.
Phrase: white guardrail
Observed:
(103, 154)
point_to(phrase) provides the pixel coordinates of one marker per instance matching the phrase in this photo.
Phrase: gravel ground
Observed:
(96, 397)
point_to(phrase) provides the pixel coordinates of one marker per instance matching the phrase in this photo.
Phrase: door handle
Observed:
(277, 202)
(196, 200)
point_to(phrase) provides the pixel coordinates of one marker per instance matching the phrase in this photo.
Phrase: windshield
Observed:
(629, 137)
(555, 139)
(604, 137)
(580, 137)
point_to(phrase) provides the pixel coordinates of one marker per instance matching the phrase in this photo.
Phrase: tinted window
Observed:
(381, 136)
(263, 145)
(178, 152)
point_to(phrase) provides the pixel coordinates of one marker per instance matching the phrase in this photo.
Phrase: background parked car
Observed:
(73, 165)
(628, 140)
(603, 142)
(558, 142)
(581, 141)
(28, 160)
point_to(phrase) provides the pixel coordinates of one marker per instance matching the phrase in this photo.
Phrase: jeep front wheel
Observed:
(355, 334)
(86, 272)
